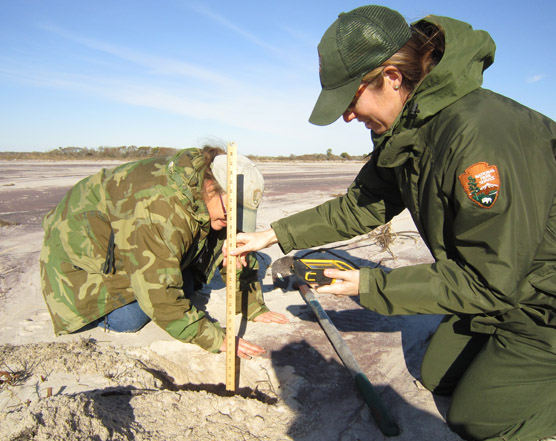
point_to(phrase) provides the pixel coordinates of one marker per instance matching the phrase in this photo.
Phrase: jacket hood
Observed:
(467, 54)
(185, 172)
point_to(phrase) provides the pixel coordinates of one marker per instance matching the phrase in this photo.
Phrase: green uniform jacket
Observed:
(477, 172)
(128, 234)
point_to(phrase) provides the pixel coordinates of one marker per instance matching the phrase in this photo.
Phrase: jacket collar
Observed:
(468, 53)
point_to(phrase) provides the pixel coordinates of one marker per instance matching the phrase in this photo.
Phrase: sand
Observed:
(148, 386)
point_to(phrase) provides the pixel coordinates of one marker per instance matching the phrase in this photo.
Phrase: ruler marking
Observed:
(231, 276)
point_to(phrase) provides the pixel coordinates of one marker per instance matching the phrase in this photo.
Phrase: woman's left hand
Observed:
(346, 283)
(271, 317)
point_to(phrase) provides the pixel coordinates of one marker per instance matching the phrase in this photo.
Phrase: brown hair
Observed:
(415, 59)
(209, 153)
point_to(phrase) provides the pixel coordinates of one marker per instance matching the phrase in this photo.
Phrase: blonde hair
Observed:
(415, 59)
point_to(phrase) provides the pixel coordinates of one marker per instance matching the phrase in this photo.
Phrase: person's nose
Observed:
(348, 116)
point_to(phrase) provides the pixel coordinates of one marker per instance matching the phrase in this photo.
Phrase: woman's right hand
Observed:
(249, 242)
(245, 349)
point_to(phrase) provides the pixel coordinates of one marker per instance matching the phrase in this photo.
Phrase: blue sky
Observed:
(180, 73)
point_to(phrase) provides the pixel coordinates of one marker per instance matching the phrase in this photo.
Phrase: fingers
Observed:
(246, 349)
(347, 276)
(244, 249)
(346, 283)
(271, 317)
(248, 242)
(241, 259)
(243, 244)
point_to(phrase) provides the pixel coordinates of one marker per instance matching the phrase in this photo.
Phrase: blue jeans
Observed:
(128, 318)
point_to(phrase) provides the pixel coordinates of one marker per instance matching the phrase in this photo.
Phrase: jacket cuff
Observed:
(282, 235)
(210, 336)
(258, 311)
(365, 276)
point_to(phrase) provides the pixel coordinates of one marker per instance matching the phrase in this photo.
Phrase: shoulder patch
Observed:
(481, 182)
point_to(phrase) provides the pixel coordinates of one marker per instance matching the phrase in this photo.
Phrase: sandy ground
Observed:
(147, 386)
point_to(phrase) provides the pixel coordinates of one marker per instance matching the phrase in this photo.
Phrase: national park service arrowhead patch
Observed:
(481, 183)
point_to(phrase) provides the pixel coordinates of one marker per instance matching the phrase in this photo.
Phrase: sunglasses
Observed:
(358, 94)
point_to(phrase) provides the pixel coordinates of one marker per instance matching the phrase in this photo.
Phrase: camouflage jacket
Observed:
(128, 234)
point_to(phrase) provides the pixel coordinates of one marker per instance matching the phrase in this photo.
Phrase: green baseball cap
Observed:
(250, 187)
(356, 43)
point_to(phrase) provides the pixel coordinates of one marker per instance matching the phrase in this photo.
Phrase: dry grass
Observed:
(384, 236)
(5, 223)
(15, 376)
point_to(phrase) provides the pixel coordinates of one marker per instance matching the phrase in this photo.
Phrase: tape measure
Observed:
(311, 271)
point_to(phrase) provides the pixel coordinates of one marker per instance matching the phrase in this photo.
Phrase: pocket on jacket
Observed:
(85, 239)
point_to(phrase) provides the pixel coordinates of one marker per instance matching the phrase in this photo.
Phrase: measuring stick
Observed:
(231, 275)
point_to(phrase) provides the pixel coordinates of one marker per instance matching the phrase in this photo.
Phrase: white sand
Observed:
(147, 386)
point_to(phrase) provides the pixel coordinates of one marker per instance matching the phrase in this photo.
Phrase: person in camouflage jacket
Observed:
(477, 172)
(143, 234)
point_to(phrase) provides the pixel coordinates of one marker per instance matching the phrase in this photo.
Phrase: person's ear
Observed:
(208, 186)
(393, 77)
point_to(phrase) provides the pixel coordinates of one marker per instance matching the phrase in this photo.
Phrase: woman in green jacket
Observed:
(477, 172)
(131, 244)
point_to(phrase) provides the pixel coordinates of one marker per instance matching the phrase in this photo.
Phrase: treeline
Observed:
(117, 153)
(130, 153)
(328, 156)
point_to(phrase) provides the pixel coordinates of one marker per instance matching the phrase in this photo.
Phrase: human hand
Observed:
(248, 242)
(245, 349)
(346, 283)
(271, 317)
